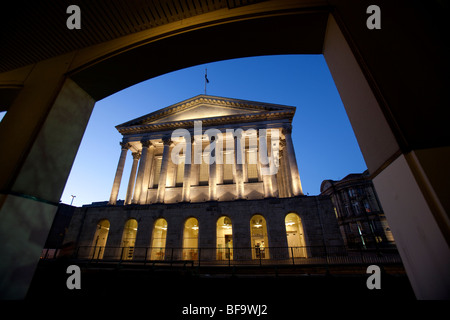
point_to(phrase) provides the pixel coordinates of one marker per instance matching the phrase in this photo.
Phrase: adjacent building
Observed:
(358, 211)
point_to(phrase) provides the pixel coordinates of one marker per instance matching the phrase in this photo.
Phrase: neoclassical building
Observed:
(212, 176)
(195, 128)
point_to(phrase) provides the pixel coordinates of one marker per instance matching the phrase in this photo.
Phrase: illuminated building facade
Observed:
(358, 211)
(211, 176)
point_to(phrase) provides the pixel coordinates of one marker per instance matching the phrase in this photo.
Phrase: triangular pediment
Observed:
(203, 111)
(204, 107)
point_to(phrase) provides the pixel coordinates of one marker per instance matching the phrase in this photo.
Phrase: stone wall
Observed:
(316, 213)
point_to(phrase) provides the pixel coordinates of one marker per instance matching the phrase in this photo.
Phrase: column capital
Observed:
(136, 155)
(262, 132)
(237, 135)
(125, 145)
(146, 143)
(167, 140)
(287, 130)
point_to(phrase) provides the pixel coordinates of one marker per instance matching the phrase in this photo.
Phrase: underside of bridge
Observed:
(392, 82)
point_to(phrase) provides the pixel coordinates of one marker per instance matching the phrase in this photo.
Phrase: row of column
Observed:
(285, 183)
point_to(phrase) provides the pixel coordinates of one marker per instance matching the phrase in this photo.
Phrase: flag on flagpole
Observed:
(206, 76)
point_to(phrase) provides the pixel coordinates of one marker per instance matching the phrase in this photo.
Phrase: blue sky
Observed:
(324, 142)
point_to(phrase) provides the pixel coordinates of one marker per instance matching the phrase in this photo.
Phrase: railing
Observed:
(308, 255)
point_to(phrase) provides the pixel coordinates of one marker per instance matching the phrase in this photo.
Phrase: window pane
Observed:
(259, 239)
(204, 171)
(224, 239)
(190, 239)
(157, 171)
(159, 240)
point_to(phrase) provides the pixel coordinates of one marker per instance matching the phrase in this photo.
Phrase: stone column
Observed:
(212, 170)
(220, 160)
(119, 173)
(186, 193)
(163, 175)
(281, 177)
(244, 160)
(274, 155)
(238, 148)
(131, 181)
(263, 160)
(285, 171)
(147, 170)
(140, 176)
(290, 154)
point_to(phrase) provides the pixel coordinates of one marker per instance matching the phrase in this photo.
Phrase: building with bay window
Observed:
(359, 213)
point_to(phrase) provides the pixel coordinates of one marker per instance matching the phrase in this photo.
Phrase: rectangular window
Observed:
(157, 171)
(356, 208)
(252, 170)
(227, 168)
(180, 174)
(367, 206)
(204, 172)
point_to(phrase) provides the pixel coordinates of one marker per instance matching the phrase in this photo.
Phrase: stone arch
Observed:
(224, 238)
(100, 239)
(259, 237)
(159, 237)
(129, 239)
(406, 161)
(295, 236)
(191, 231)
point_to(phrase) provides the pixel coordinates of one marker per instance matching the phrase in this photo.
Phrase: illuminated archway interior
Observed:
(224, 239)
(129, 239)
(159, 235)
(259, 239)
(190, 239)
(295, 236)
(100, 238)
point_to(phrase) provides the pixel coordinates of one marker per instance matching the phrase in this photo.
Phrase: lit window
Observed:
(157, 171)
(227, 168)
(99, 241)
(159, 240)
(294, 234)
(252, 171)
(259, 239)
(190, 239)
(129, 239)
(204, 171)
(224, 239)
(180, 173)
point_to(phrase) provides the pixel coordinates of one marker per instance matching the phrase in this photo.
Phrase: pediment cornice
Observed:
(144, 123)
(208, 122)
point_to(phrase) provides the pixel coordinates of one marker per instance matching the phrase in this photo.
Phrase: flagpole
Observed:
(206, 78)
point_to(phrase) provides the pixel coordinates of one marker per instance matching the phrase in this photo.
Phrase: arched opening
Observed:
(224, 230)
(295, 236)
(396, 168)
(159, 235)
(259, 238)
(190, 239)
(129, 239)
(100, 238)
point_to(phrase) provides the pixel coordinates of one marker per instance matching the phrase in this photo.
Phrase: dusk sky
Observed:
(324, 142)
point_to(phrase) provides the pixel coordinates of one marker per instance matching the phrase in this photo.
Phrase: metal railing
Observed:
(308, 255)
